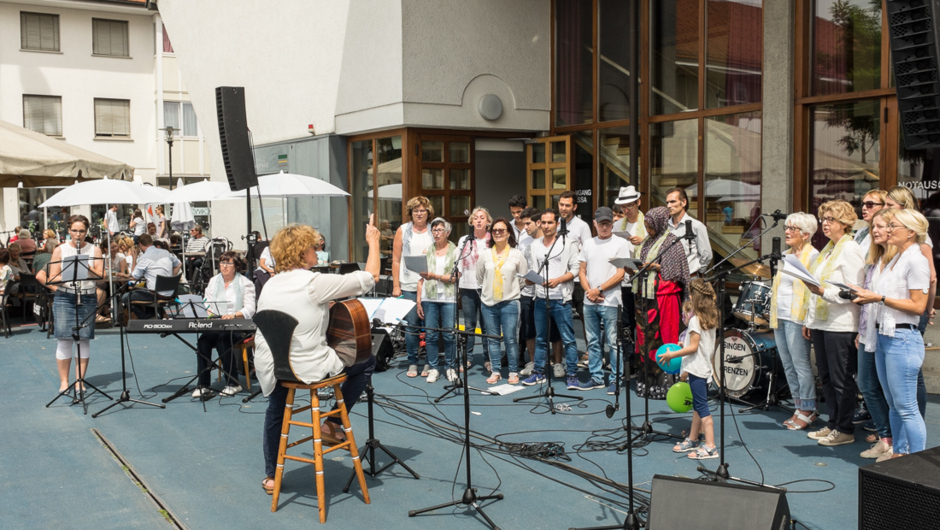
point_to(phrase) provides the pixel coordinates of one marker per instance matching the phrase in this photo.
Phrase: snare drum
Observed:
(754, 303)
(748, 358)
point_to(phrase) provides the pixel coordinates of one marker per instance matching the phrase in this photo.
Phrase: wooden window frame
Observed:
(446, 192)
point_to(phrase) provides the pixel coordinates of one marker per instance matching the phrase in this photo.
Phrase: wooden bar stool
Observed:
(277, 328)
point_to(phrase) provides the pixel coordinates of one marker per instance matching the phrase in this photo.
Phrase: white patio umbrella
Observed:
(183, 219)
(106, 191)
(288, 185)
(203, 191)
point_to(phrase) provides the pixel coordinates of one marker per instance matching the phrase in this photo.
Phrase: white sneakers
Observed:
(527, 371)
(433, 375)
(451, 375)
(230, 390)
(877, 449)
(559, 370)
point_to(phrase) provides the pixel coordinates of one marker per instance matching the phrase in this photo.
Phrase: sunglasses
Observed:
(499, 231)
(871, 204)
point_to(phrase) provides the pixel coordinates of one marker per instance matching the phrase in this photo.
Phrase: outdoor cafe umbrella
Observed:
(202, 191)
(288, 185)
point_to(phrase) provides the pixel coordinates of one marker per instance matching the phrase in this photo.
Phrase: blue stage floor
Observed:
(203, 468)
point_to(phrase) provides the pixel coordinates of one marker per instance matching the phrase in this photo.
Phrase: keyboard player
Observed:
(229, 295)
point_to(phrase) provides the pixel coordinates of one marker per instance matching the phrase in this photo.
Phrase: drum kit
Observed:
(751, 366)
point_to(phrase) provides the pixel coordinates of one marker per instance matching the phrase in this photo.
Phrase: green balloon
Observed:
(679, 397)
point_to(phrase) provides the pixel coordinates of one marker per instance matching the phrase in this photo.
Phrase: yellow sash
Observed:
(797, 311)
(822, 270)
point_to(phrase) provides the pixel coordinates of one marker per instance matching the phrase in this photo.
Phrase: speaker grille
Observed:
(913, 31)
(888, 504)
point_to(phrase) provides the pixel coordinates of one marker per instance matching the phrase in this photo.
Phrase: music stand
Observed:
(76, 269)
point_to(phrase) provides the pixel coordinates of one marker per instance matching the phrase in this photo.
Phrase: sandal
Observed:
(487, 366)
(704, 453)
(412, 371)
(269, 491)
(493, 378)
(685, 446)
(806, 421)
(426, 371)
(788, 421)
(331, 437)
(513, 378)
(871, 438)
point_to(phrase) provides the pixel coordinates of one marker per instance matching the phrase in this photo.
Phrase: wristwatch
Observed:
(882, 299)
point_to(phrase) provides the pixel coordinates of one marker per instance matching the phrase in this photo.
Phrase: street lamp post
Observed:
(169, 130)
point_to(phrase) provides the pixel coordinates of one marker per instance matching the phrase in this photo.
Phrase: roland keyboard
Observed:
(190, 325)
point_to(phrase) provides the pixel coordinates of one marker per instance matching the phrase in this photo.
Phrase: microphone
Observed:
(777, 215)
(563, 230)
(688, 231)
(611, 410)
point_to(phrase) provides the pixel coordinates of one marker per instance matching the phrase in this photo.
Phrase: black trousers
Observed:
(837, 364)
(224, 343)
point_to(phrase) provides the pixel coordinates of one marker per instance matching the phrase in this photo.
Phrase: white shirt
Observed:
(419, 245)
(632, 250)
(231, 296)
(439, 265)
(306, 296)
(596, 255)
(785, 291)
(268, 259)
(578, 230)
(518, 232)
(527, 290)
(843, 314)
(155, 262)
(699, 363)
(514, 265)
(468, 274)
(699, 251)
(112, 220)
(139, 227)
(563, 259)
(908, 271)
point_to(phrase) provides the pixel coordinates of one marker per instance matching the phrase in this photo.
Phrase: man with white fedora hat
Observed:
(633, 224)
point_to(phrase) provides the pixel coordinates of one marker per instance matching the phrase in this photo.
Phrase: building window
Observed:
(39, 31)
(167, 45)
(109, 37)
(173, 110)
(376, 186)
(112, 118)
(446, 169)
(673, 160)
(43, 114)
(673, 49)
(574, 62)
(846, 55)
(734, 50)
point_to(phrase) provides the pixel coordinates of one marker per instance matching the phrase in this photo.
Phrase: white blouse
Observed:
(306, 296)
(908, 271)
(512, 284)
(843, 314)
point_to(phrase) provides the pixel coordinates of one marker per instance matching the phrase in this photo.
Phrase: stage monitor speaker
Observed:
(901, 492)
(912, 26)
(687, 503)
(237, 157)
(382, 349)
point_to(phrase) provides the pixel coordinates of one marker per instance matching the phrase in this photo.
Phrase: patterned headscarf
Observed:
(675, 265)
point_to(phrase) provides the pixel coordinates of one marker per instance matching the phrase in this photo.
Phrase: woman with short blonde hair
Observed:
(288, 249)
(471, 248)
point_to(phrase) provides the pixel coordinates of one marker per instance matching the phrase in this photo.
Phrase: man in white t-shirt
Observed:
(601, 283)
(699, 250)
(111, 224)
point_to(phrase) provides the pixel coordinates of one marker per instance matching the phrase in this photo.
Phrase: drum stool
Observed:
(315, 419)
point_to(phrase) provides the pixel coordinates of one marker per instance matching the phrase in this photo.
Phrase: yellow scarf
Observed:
(825, 267)
(797, 311)
(498, 262)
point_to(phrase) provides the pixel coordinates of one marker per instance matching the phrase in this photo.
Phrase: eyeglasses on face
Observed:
(893, 226)
(226, 263)
(829, 220)
(499, 231)
(438, 230)
(871, 204)
(788, 228)
(78, 231)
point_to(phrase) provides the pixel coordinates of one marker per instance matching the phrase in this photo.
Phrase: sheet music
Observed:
(387, 310)
(533, 277)
(502, 390)
(417, 264)
(793, 267)
(630, 263)
(77, 268)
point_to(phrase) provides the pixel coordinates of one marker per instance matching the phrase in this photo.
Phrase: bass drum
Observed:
(748, 361)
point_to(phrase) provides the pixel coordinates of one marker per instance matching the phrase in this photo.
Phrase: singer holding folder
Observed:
(786, 319)
(64, 306)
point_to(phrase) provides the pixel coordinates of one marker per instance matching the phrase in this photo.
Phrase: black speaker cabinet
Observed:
(678, 503)
(382, 349)
(237, 157)
(912, 26)
(901, 492)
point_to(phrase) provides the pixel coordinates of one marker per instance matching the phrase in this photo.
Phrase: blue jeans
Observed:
(503, 317)
(593, 316)
(870, 387)
(899, 360)
(794, 356)
(357, 378)
(470, 301)
(412, 335)
(440, 315)
(561, 314)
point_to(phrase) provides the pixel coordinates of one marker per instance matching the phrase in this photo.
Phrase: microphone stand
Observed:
(549, 393)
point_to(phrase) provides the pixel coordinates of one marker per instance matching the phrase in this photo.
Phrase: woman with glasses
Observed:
(786, 319)
(500, 288)
(872, 203)
(879, 255)
(471, 249)
(412, 239)
(832, 321)
(901, 294)
(437, 300)
(64, 308)
(228, 295)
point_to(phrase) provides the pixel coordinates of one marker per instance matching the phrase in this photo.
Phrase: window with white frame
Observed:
(43, 114)
(109, 37)
(39, 31)
(112, 118)
(174, 111)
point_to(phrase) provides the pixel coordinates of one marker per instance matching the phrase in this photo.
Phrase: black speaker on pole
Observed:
(687, 503)
(901, 492)
(233, 132)
(912, 26)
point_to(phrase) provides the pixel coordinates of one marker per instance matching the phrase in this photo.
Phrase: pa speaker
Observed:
(912, 26)
(233, 132)
(901, 492)
(382, 349)
(687, 503)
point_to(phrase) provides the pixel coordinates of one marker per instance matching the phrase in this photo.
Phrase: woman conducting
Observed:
(306, 296)
(63, 305)
(228, 295)
(786, 319)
